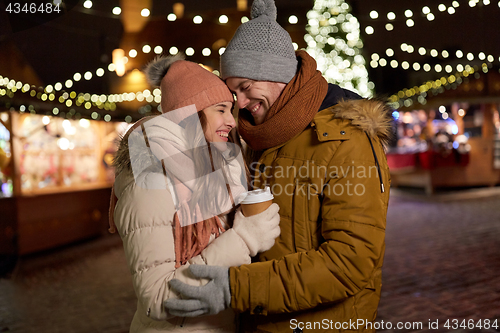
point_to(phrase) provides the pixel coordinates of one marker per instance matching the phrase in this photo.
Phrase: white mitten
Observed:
(258, 231)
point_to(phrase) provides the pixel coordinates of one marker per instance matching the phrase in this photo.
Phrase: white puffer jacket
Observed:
(143, 218)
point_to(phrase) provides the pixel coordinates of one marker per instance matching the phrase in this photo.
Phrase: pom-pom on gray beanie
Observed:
(260, 49)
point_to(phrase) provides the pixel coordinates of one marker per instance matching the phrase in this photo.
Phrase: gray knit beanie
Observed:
(260, 49)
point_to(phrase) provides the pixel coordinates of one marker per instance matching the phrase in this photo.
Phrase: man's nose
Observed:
(242, 100)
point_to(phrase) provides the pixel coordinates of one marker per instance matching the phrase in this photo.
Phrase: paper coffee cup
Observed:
(256, 201)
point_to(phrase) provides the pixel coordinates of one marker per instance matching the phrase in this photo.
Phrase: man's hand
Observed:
(209, 299)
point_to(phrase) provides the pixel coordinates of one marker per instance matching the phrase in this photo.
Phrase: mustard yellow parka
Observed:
(332, 185)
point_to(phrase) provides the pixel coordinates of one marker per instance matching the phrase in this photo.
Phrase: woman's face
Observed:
(220, 121)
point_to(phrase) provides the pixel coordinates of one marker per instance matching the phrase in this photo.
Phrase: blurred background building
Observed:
(71, 84)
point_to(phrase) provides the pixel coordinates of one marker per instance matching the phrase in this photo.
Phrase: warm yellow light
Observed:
(178, 9)
(145, 12)
(197, 19)
(241, 5)
(118, 61)
(117, 10)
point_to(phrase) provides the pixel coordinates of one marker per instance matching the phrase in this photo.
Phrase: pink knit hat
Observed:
(183, 83)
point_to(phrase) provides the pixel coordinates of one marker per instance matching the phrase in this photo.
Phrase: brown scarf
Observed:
(292, 112)
(191, 239)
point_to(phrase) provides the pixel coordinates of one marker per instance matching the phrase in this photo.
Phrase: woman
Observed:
(172, 190)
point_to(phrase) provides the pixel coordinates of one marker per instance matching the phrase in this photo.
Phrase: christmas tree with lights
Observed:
(334, 40)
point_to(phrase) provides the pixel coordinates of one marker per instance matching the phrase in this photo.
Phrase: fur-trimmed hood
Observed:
(122, 160)
(371, 115)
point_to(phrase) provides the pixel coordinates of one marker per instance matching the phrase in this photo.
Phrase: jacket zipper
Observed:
(382, 189)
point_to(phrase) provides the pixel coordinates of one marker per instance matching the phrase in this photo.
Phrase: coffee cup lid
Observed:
(256, 196)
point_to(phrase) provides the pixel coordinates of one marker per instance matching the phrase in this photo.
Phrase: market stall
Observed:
(55, 176)
(452, 145)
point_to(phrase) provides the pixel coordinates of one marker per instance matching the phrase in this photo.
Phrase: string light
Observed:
(223, 19)
(405, 96)
(173, 50)
(197, 19)
(426, 10)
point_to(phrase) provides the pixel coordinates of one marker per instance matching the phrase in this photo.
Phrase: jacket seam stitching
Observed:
(142, 270)
(145, 227)
(349, 221)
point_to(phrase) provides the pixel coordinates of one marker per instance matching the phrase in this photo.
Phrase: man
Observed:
(320, 149)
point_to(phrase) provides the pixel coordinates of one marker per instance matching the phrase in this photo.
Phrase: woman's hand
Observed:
(258, 231)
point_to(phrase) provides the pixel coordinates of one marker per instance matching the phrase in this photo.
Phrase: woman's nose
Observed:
(230, 120)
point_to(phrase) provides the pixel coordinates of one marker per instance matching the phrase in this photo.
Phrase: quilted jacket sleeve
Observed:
(144, 221)
(352, 232)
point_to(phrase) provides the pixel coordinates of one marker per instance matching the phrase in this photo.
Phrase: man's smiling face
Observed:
(255, 96)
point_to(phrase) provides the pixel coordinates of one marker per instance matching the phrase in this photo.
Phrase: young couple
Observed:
(317, 254)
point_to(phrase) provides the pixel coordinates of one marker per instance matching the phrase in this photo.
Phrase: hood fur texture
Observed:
(371, 115)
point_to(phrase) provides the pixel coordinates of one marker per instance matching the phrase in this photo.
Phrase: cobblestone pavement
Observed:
(442, 262)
